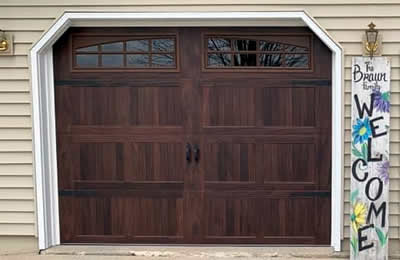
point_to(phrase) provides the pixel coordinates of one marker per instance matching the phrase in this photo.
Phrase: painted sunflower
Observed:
(361, 131)
(358, 217)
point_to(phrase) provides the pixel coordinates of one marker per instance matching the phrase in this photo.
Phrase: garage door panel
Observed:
(68, 158)
(322, 109)
(247, 105)
(143, 216)
(323, 158)
(125, 133)
(273, 123)
(119, 217)
(98, 211)
(129, 162)
(261, 139)
(67, 104)
(68, 214)
(160, 217)
(289, 162)
(323, 221)
(300, 220)
(257, 167)
(226, 106)
(119, 106)
(170, 106)
(135, 136)
(76, 211)
(289, 217)
(146, 160)
(98, 161)
(227, 162)
(271, 160)
(227, 217)
(288, 106)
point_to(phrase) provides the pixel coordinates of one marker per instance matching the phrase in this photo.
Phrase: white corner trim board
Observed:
(44, 134)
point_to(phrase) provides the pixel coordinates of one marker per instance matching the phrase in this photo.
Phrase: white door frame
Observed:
(44, 128)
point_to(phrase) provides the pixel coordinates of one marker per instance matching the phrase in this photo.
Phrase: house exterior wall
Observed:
(345, 21)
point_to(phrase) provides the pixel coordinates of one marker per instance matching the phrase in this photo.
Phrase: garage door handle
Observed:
(196, 153)
(188, 153)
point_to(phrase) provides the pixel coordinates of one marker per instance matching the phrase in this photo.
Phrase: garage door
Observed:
(193, 135)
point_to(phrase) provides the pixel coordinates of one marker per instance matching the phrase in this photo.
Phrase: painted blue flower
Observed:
(361, 131)
(381, 101)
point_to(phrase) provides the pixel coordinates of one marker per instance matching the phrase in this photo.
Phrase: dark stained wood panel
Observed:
(231, 217)
(266, 143)
(106, 161)
(121, 157)
(295, 106)
(259, 157)
(284, 224)
(111, 216)
(289, 162)
(225, 106)
(111, 106)
(229, 162)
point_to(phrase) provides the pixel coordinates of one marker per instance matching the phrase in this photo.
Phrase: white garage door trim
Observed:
(44, 138)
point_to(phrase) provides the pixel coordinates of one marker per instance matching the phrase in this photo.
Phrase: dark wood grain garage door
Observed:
(193, 135)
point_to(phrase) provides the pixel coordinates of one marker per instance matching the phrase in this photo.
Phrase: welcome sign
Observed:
(370, 125)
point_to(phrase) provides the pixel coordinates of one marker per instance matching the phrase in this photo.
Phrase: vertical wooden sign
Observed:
(370, 124)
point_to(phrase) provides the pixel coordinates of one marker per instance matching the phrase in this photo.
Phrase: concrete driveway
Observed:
(72, 252)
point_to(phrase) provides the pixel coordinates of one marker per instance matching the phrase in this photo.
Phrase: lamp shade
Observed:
(372, 34)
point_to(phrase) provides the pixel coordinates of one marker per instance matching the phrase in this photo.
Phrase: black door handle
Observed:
(196, 153)
(188, 153)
